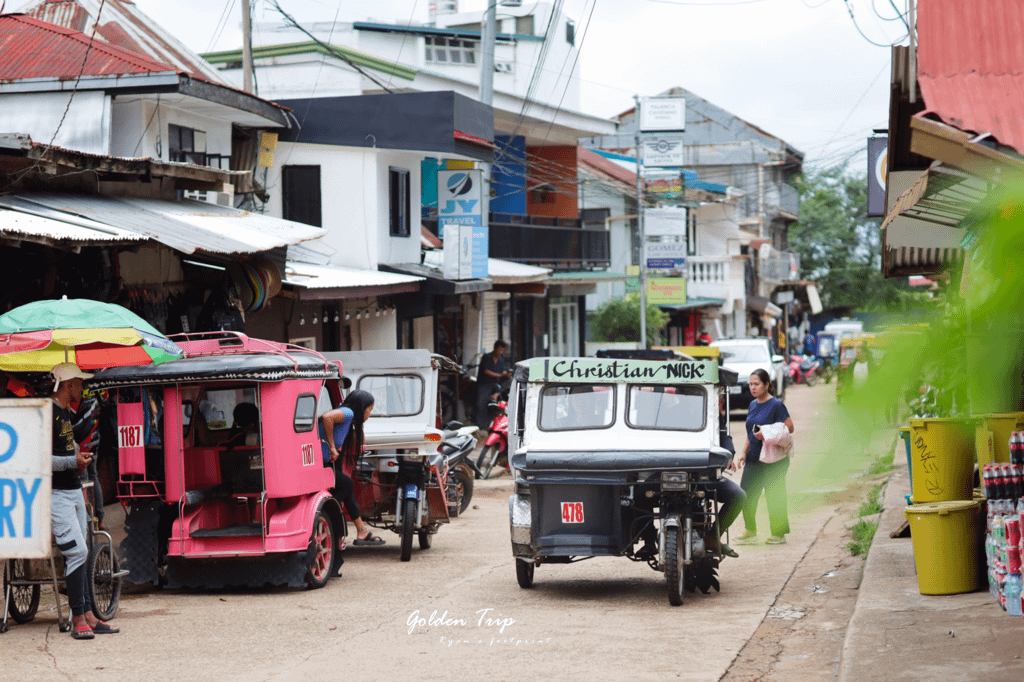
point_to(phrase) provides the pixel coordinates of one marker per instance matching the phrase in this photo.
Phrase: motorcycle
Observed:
(496, 445)
(803, 370)
(458, 442)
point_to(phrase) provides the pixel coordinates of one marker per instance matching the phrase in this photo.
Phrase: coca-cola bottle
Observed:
(986, 482)
(1017, 448)
(1015, 482)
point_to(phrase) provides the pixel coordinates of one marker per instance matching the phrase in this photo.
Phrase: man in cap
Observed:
(68, 515)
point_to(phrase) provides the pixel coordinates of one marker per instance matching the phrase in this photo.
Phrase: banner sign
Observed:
(662, 114)
(665, 222)
(666, 290)
(663, 152)
(878, 159)
(26, 443)
(665, 255)
(597, 371)
(460, 202)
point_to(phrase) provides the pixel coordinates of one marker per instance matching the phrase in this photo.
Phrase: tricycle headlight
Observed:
(673, 480)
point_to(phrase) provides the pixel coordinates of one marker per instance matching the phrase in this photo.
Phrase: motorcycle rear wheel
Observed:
(488, 458)
(464, 486)
(408, 524)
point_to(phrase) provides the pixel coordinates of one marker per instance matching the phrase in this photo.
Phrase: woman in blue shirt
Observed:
(346, 423)
(758, 476)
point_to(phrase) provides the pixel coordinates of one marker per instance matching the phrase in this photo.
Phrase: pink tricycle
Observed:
(220, 465)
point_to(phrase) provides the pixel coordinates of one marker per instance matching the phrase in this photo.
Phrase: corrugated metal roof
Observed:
(339, 277)
(971, 66)
(36, 49)
(312, 47)
(186, 226)
(52, 231)
(125, 25)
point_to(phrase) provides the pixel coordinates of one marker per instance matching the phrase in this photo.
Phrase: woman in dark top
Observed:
(758, 476)
(346, 426)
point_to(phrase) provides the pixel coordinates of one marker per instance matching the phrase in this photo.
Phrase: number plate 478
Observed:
(572, 512)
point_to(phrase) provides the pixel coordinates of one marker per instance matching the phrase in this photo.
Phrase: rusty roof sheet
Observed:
(125, 25)
(36, 49)
(971, 66)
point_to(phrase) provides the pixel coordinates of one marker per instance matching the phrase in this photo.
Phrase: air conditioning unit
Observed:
(502, 67)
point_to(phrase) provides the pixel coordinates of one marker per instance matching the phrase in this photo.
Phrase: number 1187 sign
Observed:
(572, 512)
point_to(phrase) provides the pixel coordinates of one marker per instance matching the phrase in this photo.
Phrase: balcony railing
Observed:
(561, 244)
(780, 266)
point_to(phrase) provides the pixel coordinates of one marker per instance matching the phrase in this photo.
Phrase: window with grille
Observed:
(450, 51)
(186, 145)
(398, 191)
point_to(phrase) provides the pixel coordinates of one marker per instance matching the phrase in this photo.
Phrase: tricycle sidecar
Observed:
(606, 453)
(221, 467)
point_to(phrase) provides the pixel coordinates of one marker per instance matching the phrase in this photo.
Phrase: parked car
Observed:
(743, 356)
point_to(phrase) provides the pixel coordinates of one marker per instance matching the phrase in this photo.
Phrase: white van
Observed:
(846, 328)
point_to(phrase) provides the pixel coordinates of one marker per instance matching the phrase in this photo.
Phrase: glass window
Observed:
(399, 202)
(673, 408)
(456, 52)
(744, 352)
(305, 413)
(440, 53)
(217, 407)
(394, 395)
(568, 408)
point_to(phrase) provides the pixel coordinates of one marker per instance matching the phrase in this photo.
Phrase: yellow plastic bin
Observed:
(992, 437)
(942, 453)
(946, 536)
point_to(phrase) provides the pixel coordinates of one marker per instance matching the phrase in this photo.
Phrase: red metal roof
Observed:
(971, 66)
(36, 49)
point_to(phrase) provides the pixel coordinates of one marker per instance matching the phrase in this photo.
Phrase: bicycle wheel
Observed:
(104, 588)
(24, 599)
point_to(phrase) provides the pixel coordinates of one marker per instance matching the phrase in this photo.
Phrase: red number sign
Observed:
(308, 455)
(572, 512)
(129, 437)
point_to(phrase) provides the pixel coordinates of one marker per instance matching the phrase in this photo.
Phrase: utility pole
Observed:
(487, 38)
(640, 230)
(246, 46)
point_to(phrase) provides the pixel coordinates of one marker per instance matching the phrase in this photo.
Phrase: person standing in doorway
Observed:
(758, 476)
(488, 382)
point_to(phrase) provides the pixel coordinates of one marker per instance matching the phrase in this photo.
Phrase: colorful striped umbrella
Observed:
(94, 335)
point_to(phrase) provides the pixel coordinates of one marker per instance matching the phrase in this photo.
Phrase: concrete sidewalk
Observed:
(898, 633)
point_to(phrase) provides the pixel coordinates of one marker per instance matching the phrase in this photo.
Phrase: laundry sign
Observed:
(26, 427)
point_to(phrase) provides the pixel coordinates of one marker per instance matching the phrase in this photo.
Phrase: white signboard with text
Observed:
(665, 222)
(26, 443)
(458, 251)
(665, 255)
(663, 152)
(662, 114)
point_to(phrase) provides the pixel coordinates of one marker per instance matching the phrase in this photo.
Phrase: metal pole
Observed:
(487, 53)
(911, 25)
(246, 47)
(640, 231)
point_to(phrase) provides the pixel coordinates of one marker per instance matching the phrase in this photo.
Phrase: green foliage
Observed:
(873, 505)
(882, 464)
(840, 247)
(863, 533)
(619, 320)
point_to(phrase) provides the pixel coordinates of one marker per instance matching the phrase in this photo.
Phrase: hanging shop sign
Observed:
(665, 185)
(669, 221)
(663, 152)
(666, 290)
(662, 114)
(26, 444)
(460, 203)
(665, 255)
(878, 159)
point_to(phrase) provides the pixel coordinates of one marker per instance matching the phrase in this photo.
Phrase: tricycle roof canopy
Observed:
(591, 370)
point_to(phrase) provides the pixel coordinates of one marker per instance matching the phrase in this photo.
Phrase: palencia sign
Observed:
(25, 477)
(597, 371)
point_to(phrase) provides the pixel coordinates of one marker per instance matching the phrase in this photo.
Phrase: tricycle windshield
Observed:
(567, 408)
(394, 395)
(674, 408)
(826, 345)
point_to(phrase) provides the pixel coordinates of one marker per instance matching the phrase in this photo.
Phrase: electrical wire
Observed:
(221, 24)
(849, 9)
(579, 50)
(707, 4)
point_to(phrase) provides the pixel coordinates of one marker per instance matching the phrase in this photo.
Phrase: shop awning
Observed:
(186, 226)
(59, 229)
(587, 277)
(920, 231)
(695, 303)
(762, 305)
(434, 281)
(328, 282)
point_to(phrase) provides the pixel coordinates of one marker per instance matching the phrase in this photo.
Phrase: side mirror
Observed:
(776, 359)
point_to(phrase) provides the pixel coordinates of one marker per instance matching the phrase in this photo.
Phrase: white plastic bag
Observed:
(778, 442)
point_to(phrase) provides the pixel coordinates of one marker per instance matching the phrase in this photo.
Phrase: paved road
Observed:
(600, 619)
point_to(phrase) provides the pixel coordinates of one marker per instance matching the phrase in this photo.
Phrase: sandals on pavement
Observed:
(745, 538)
(102, 628)
(82, 632)
(776, 540)
(370, 540)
